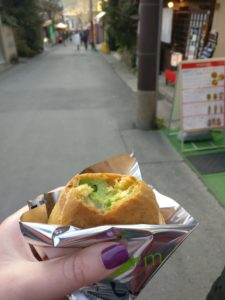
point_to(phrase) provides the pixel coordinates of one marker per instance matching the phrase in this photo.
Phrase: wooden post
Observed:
(150, 12)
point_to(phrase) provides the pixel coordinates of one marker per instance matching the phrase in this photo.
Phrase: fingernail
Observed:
(114, 256)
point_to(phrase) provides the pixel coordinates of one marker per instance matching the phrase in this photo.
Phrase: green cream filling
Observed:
(102, 195)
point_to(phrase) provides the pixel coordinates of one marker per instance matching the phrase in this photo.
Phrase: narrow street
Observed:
(65, 110)
(60, 112)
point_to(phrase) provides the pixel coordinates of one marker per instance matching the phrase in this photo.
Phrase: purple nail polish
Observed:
(114, 256)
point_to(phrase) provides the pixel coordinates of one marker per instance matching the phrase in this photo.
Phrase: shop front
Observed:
(191, 35)
(193, 66)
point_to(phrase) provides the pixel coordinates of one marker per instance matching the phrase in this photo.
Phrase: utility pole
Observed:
(1, 36)
(150, 12)
(92, 33)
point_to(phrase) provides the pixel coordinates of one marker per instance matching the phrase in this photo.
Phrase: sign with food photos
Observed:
(202, 94)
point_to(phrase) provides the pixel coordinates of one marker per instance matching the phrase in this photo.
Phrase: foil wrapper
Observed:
(149, 246)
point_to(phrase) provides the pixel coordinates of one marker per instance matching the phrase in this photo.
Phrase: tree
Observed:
(121, 24)
(112, 20)
(51, 9)
(24, 16)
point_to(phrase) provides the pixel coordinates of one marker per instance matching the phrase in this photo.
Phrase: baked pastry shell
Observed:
(140, 207)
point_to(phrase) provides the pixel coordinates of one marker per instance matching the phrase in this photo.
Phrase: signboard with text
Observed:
(202, 94)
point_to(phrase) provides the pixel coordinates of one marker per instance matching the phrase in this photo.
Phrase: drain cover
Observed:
(208, 163)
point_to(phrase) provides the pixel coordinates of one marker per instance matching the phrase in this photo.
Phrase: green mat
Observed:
(218, 140)
(214, 182)
(216, 185)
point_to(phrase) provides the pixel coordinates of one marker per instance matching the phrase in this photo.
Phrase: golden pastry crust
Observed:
(36, 215)
(138, 206)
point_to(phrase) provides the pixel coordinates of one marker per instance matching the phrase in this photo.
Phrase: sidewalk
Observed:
(214, 178)
(4, 67)
(165, 92)
(190, 272)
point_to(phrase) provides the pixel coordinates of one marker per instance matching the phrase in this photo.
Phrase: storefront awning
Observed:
(61, 26)
(99, 16)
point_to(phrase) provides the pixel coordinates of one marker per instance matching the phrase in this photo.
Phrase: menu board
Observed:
(203, 94)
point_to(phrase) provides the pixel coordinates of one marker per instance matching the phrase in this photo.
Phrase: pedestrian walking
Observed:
(85, 36)
(77, 40)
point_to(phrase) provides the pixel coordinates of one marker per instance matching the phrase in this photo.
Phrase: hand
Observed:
(23, 277)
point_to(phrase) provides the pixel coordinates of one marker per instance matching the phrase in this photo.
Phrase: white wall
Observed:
(219, 25)
(8, 43)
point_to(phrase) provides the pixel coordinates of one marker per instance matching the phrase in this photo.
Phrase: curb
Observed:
(5, 67)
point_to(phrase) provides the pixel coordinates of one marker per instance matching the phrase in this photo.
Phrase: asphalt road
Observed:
(59, 113)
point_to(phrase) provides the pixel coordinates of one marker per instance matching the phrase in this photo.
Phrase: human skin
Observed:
(22, 276)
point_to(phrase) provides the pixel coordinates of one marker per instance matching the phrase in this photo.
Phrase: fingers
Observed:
(16, 216)
(13, 245)
(47, 253)
(59, 277)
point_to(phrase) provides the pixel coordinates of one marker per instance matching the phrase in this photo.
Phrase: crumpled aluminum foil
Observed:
(149, 246)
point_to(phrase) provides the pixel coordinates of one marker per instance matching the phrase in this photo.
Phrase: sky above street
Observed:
(78, 3)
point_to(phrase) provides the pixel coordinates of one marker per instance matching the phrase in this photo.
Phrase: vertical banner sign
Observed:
(203, 95)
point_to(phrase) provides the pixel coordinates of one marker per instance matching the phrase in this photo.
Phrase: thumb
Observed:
(59, 277)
